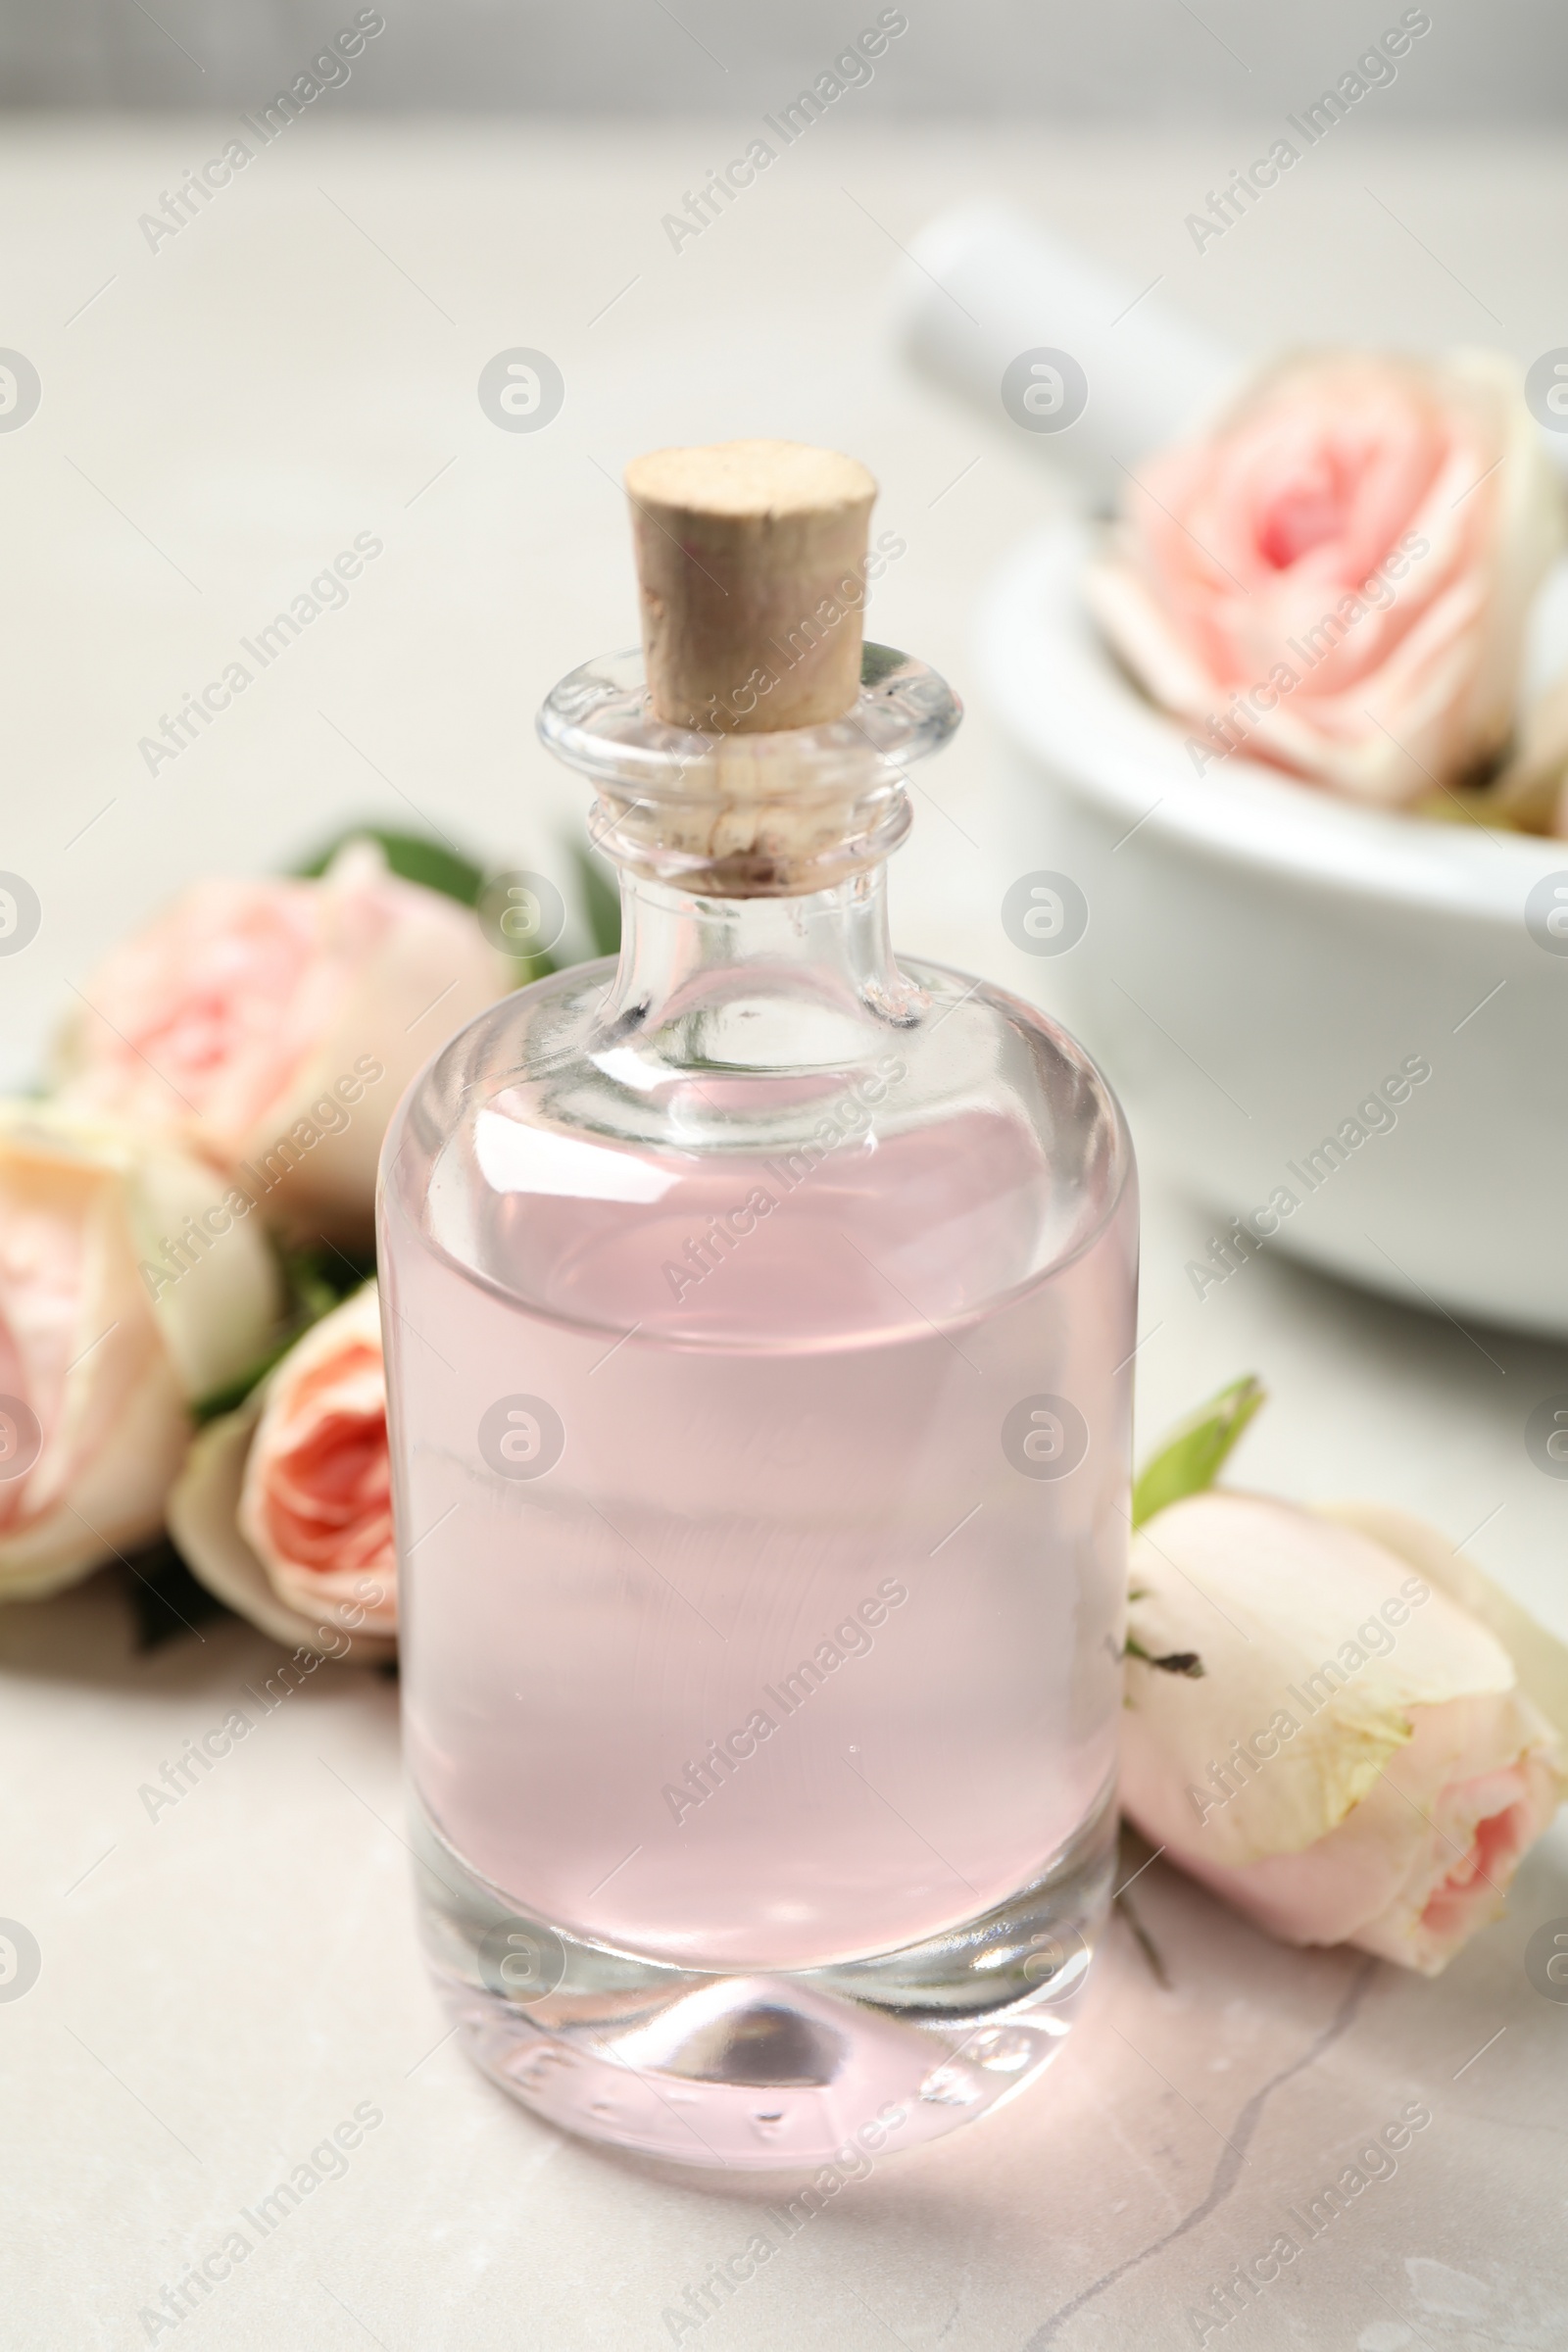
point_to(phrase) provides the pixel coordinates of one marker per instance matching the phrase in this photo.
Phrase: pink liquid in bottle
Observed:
(759, 1321)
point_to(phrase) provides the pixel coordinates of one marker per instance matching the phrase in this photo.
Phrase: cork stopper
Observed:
(751, 559)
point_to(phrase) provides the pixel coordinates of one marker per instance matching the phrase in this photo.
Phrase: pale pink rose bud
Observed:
(1336, 577)
(317, 1503)
(272, 1026)
(285, 1507)
(130, 1285)
(1360, 1759)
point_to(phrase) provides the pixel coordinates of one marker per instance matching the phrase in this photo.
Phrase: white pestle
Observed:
(984, 284)
(988, 284)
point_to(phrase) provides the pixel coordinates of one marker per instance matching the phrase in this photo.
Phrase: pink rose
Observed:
(1335, 577)
(1361, 1759)
(271, 1026)
(98, 1365)
(317, 1503)
(285, 1507)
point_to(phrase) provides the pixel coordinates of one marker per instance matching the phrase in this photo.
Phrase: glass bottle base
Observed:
(757, 2071)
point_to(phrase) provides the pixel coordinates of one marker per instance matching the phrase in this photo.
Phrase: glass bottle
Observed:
(758, 1316)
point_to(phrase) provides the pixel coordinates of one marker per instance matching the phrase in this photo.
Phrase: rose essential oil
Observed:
(759, 1317)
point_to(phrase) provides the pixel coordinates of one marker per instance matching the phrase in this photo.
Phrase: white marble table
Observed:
(223, 1986)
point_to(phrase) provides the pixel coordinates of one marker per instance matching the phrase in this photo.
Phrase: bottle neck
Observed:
(754, 869)
(755, 984)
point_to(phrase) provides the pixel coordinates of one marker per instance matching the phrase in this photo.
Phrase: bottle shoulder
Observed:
(964, 1134)
(541, 1055)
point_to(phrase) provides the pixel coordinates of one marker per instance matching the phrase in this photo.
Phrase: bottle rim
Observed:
(776, 814)
(599, 721)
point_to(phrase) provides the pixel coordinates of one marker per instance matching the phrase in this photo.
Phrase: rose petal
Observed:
(105, 1355)
(203, 1519)
(1256, 564)
(317, 1501)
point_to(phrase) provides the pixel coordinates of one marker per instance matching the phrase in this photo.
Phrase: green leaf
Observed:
(1193, 1455)
(1176, 1661)
(413, 855)
(164, 1596)
(233, 1393)
(879, 661)
(319, 1276)
(601, 902)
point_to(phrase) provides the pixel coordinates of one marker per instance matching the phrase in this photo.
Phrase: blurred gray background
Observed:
(1073, 61)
